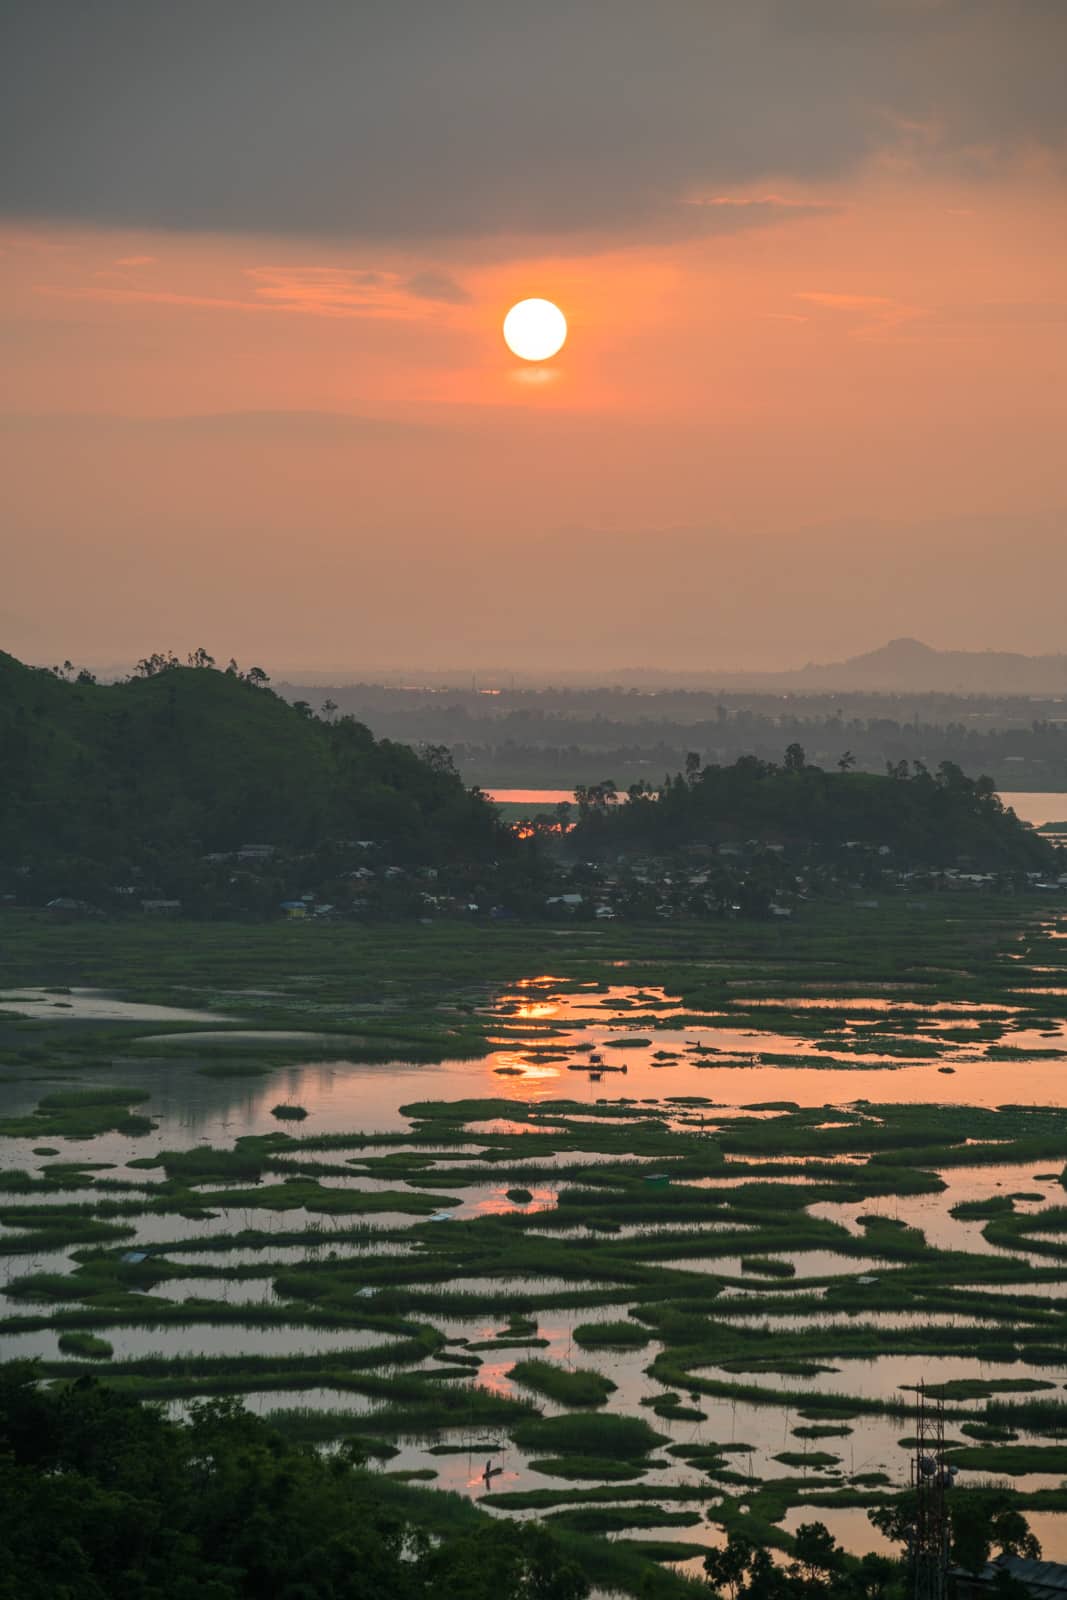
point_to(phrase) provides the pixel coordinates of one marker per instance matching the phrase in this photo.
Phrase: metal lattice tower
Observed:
(931, 1477)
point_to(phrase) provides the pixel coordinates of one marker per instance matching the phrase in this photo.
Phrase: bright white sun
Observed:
(535, 329)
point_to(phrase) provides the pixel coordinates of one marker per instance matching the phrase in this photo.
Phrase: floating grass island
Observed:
(698, 1296)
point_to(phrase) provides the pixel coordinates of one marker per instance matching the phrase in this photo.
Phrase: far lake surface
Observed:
(1035, 808)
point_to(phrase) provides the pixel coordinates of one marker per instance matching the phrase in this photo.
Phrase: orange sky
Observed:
(810, 412)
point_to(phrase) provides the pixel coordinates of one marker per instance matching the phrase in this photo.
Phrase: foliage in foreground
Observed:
(104, 1496)
(982, 1523)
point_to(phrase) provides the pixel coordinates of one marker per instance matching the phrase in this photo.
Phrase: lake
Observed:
(1036, 808)
(842, 1157)
(1029, 807)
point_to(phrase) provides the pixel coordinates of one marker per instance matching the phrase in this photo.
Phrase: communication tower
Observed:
(931, 1478)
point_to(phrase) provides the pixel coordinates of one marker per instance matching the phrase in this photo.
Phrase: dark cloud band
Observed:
(455, 118)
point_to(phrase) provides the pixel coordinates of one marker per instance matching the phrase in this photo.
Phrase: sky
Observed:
(254, 261)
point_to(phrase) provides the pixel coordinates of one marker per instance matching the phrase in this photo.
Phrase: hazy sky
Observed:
(254, 257)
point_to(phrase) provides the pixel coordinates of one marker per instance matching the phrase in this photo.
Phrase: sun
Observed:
(535, 329)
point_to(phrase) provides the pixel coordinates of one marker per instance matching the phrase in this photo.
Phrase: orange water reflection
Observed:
(726, 1066)
(531, 797)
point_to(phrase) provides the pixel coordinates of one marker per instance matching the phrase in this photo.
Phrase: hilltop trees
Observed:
(922, 818)
(147, 780)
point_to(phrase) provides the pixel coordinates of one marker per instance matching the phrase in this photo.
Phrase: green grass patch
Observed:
(767, 1267)
(610, 1336)
(87, 1345)
(81, 1114)
(595, 1469)
(587, 1434)
(580, 1387)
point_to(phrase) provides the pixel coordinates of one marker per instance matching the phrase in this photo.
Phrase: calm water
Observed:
(1036, 808)
(1029, 807)
(722, 1066)
(530, 797)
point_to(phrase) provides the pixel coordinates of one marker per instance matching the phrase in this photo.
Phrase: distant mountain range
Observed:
(908, 665)
(903, 666)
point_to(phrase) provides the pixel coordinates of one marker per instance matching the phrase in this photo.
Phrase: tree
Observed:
(159, 661)
(199, 658)
(329, 708)
(439, 758)
(846, 762)
(766, 1581)
(103, 1495)
(984, 1520)
(979, 1521)
(816, 1550)
(727, 1566)
(873, 1575)
(795, 758)
(692, 766)
(896, 1520)
(521, 1561)
(1011, 1533)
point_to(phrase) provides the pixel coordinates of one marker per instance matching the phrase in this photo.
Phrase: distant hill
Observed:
(919, 818)
(905, 665)
(190, 760)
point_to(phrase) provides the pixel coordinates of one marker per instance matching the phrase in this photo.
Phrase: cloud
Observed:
(420, 121)
(308, 291)
(739, 211)
(872, 316)
(135, 261)
(329, 291)
(432, 285)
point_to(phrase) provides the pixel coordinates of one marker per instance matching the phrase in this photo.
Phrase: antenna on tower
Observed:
(931, 1478)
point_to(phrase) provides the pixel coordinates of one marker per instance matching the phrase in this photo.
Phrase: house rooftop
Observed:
(1045, 1580)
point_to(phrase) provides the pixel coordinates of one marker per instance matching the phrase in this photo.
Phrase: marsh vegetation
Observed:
(697, 1293)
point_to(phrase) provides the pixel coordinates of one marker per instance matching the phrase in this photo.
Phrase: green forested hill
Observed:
(920, 818)
(194, 759)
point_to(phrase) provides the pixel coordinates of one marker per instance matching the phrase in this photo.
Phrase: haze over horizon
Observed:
(255, 394)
